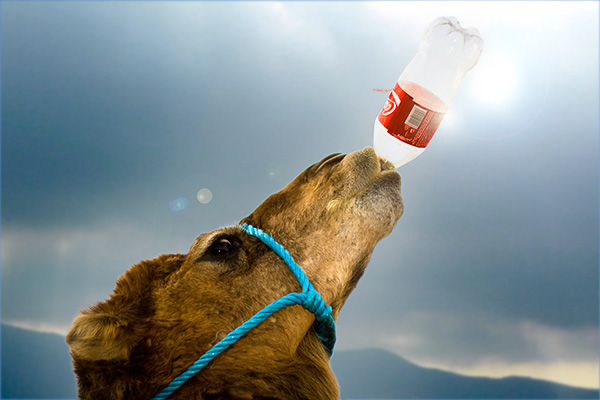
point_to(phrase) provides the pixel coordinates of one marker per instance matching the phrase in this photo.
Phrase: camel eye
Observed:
(222, 247)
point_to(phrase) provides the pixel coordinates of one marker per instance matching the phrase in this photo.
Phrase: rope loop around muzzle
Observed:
(312, 300)
(309, 298)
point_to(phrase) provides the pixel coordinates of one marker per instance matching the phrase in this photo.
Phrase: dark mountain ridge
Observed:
(37, 365)
(374, 373)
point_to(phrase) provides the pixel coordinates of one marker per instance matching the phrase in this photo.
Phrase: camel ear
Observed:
(99, 336)
(111, 329)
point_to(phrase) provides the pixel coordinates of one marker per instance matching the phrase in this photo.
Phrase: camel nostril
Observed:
(330, 160)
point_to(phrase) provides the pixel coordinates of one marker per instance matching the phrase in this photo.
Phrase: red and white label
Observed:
(408, 121)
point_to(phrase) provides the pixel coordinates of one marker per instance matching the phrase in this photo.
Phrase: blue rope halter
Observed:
(309, 298)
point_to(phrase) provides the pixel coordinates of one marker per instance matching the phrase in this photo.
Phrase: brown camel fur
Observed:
(166, 312)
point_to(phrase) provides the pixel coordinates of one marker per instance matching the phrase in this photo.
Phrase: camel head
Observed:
(166, 312)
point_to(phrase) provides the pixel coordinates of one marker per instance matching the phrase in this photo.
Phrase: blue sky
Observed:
(114, 112)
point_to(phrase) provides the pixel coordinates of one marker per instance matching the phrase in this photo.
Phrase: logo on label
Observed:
(409, 122)
(391, 104)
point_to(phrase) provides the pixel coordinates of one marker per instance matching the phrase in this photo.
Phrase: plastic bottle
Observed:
(425, 90)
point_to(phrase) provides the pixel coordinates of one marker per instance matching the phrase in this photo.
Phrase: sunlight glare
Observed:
(492, 80)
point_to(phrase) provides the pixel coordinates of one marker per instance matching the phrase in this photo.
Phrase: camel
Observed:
(166, 312)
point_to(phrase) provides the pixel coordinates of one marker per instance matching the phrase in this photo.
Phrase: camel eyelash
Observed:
(222, 246)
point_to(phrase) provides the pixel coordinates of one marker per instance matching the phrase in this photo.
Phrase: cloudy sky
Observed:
(116, 114)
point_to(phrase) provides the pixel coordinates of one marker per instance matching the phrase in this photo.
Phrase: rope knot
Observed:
(315, 304)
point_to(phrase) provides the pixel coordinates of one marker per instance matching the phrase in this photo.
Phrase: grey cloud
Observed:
(111, 109)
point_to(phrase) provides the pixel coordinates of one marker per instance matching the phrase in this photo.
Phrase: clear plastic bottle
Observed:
(425, 90)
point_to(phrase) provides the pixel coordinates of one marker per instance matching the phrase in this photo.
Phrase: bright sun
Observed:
(492, 79)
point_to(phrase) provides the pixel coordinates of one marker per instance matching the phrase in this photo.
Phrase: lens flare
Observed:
(204, 196)
(178, 205)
